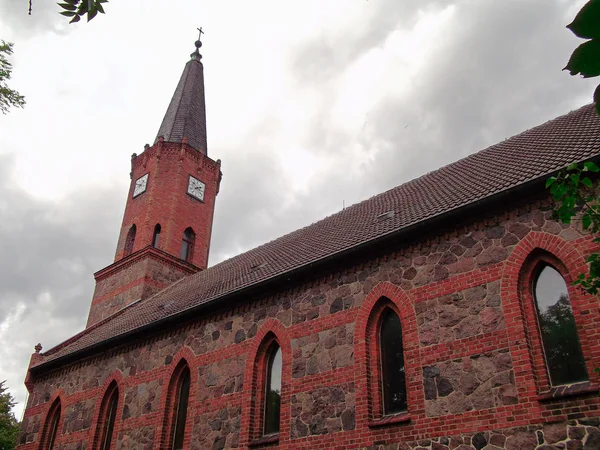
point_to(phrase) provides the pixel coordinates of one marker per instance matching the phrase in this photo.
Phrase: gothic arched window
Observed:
(156, 235)
(180, 406)
(564, 358)
(129, 241)
(272, 404)
(106, 420)
(187, 244)
(51, 426)
(393, 376)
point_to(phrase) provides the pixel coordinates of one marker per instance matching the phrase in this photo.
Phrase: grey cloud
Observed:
(44, 17)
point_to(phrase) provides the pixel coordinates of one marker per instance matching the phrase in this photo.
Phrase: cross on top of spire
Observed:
(198, 44)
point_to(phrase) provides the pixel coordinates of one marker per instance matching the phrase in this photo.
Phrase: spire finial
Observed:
(198, 44)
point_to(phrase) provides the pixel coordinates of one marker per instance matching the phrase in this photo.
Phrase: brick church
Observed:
(437, 315)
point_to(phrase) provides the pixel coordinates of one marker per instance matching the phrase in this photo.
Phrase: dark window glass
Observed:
(183, 394)
(187, 244)
(109, 419)
(156, 237)
(393, 377)
(130, 240)
(52, 427)
(564, 358)
(273, 391)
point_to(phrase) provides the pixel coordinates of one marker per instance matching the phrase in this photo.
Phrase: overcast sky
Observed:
(310, 105)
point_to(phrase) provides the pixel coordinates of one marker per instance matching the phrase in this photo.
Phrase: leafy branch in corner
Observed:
(8, 97)
(576, 195)
(76, 9)
(585, 60)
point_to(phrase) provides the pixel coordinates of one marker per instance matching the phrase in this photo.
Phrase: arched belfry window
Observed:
(272, 404)
(156, 235)
(187, 244)
(51, 426)
(106, 419)
(564, 359)
(393, 376)
(129, 241)
(180, 407)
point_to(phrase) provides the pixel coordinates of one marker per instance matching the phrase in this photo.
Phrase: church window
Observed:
(560, 341)
(108, 413)
(182, 395)
(156, 235)
(187, 244)
(273, 390)
(51, 428)
(393, 376)
(130, 240)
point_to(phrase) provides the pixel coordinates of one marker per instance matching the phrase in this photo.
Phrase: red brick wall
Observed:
(472, 356)
(167, 203)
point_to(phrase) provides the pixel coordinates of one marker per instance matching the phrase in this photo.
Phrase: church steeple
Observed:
(168, 217)
(186, 115)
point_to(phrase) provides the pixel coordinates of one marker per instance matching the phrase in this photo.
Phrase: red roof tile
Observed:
(515, 161)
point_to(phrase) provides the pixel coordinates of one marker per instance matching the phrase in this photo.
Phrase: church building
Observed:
(437, 315)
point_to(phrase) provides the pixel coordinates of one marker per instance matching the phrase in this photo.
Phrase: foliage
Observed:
(9, 426)
(76, 9)
(578, 197)
(585, 60)
(8, 97)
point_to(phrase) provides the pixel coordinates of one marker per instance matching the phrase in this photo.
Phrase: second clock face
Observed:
(140, 185)
(196, 188)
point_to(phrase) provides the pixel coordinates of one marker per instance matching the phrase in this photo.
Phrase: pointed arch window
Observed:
(393, 375)
(565, 362)
(180, 406)
(129, 241)
(51, 426)
(108, 414)
(272, 404)
(187, 244)
(156, 235)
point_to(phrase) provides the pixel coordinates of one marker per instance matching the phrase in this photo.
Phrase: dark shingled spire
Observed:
(186, 115)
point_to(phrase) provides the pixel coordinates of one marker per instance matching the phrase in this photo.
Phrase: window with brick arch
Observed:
(187, 244)
(51, 426)
(272, 406)
(180, 407)
(393, 376)
(107, 416)
(564, 358)
(156, 235)
(129, 241)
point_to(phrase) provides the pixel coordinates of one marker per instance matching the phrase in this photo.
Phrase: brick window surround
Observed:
(103, 417)
(530, 269)
(171, 404)
(52, 426)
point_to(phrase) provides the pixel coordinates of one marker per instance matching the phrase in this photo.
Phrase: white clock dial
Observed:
(140, 185)
(196, 188)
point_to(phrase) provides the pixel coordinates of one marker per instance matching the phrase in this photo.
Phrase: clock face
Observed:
(196, 188)
(140, 185)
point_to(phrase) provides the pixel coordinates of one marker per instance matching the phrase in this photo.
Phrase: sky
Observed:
(311, 106)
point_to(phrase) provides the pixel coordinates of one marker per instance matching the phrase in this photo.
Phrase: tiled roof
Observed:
(513, 162)
(186, 114)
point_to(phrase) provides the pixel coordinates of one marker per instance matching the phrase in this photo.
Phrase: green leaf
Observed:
(76, 18)
(585, 59)
(99, 7)
(572, 166)
(586, 221)
(597, 99)
(587, 22)
(575, 179)
(591, 166)
(586, 181)
(68, 13)
(92, 13)
(550, 181)
(67, 6)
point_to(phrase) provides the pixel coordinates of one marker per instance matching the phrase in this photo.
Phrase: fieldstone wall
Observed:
(217, 430)
(324, 351)
(221, 378)
(581, 434)
(460, 315)
(79, 416)
(324, 410)
(136, 439)
(142, 399)
(469, 383)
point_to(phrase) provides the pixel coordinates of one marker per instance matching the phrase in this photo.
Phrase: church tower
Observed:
(168, 217)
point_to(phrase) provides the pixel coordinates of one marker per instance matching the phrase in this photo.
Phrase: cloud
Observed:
(44, 17)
